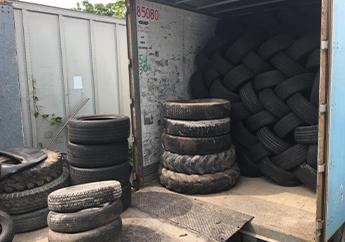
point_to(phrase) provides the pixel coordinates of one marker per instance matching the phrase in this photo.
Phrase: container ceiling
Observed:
(234, 7)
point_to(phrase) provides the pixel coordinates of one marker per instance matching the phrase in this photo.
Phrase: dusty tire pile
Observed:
(198, 156)
(6, 225)
(86, 212)
(272, 82)
(23, 195)
(98, 151)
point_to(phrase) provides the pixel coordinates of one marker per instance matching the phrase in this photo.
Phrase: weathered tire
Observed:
(119, 172)
(278, 175)
(94, 156)
(217, 90)
(286, 65)
(205, 128)
(199, 184)
(272, 142)
(268, 79)
(257, 152)
(30, 221)
(197, 86)
(36, 176)
(98, 129)
(249, 98)
(248, 168)
(312, 156)
(110, 232)
(85, 219)
(303, 109)
(304, 45)
(199, 164)
(126, 197)
(32, 199)
(243, 136)
(255, 63)
(306, 134)
(287, 125)
(6, 225)
(237, 77)
(291, 158)
(307, 175)
(239, 111)
(273, 103)
(74, 198)
(275, 44)
(193, 146)
(197, 109)
(260, 120)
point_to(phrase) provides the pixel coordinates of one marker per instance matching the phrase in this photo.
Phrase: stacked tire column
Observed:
(98, 151)
(198, 155)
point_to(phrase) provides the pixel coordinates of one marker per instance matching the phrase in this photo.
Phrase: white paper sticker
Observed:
(77, 82)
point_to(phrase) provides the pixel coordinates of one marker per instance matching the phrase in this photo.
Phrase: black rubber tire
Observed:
(313, 62)
(218, 90)
(273, 103)
(221, 64)
(306, 134)
(74, 198)
(247, 167)
(295, 84)
(85, 219)
(243, 136)
(303, 46)
(203, 128)
(242, 46)
(250, 99)
(286, 65)
(36, 176)
(199, 184)
(98, 129)
(312, 156)
(7, 227)
(268, 79)
(32, 199)
(260, 120)
(199, 164)
(110, 232)
(197, 86)
(126, 197)
(239, 111)
(272, 142)
(237, 76)
(119, 172)
(215, 44)
(255, 63)
(202, 61)
(257, 152)
(30, 221)
(303, 109)
(287, 125)
(275, 44)
(307, 175)
(197, 109)
(291, 158)
(314, 93)
(196, 146)
(209, 76)
(278, 175)
(93, 156)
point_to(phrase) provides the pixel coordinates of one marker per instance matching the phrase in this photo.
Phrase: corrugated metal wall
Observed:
(64, 57)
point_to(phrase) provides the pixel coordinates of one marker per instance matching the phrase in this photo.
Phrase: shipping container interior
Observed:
(280, 213)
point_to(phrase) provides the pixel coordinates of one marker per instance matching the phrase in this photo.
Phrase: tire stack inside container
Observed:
(268, 68)
(98, 151)
(198, 156)
(86, 212)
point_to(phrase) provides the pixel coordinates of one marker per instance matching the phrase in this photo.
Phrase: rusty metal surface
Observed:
(209, 221)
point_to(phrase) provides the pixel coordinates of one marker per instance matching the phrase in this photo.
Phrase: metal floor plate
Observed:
(212, 222)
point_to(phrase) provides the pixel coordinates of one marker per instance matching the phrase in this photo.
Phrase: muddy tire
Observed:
(7, 229)
(30, 221)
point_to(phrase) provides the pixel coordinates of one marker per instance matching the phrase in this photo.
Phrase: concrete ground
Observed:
(280, 214)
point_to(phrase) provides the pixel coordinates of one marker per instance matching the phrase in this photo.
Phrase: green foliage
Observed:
(116, 9)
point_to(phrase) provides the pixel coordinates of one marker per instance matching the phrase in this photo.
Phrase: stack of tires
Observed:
(88, 212)
(23, 195)
(98, 151)
(198, 156)
(269, 71)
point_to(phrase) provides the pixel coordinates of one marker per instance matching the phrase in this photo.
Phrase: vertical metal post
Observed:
(94, 80)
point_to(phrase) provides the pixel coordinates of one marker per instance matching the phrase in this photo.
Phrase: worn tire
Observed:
(255, 63)
(291, 158)
(205, 128)
(193, 146)
(304, 45)
(268, 79)
(30, 221)
(32, 199)
(218, 90)
(199, 184)
(119, 172)
(237, 77)
(286, 65)
(110, 232)
(98, 129)
(243, 136)
(287, 125)
(36, 176)
(94, 156)
(260, 120)
(306, 134)
(307, 175)
(303, 109)
(250, 99)
(199, 164)
(74, 198)
(275, 44)
(257, 152)
(7, 229)
(272, 142)
(239, 111)
(197, 109)
(85, 219)
(126, 197)
(273, 103)
(221, 64)
(312, 156)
